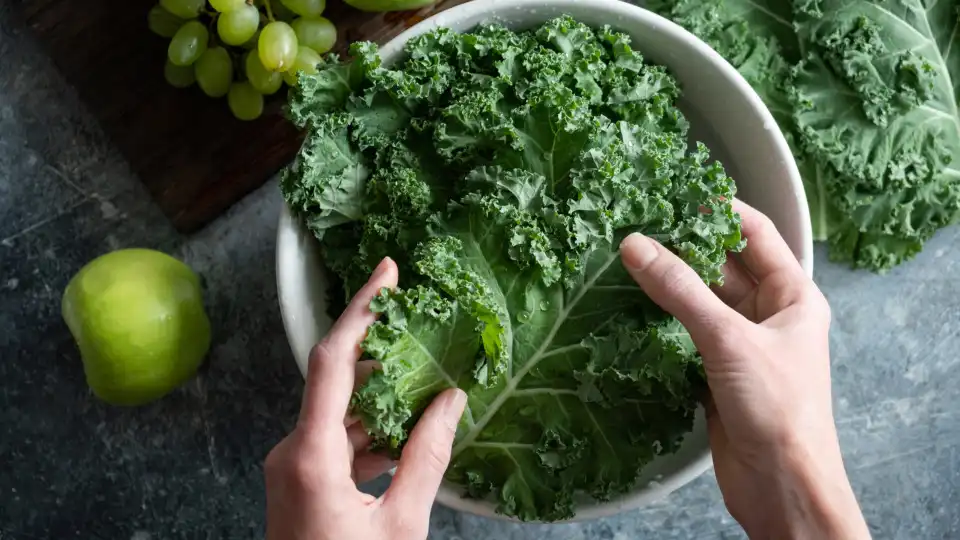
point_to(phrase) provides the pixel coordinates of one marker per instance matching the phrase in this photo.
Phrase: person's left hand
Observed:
(312, 474)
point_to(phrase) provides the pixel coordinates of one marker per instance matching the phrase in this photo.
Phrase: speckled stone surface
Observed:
(190, 466)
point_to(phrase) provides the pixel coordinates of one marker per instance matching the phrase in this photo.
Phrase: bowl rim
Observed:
(627, 15)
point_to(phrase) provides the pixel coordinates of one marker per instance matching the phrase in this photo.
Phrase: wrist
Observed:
(814, 497)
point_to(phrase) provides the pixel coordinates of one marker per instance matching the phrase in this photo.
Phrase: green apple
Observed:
(137, 316)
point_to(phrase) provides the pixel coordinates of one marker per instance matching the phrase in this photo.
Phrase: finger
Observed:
(351, 327)
(675, 287)
(330, 372)
(709, 405)
(361, 373)
(737, 282)
(766, 252)
(716, 431)
(368, 466)
(358, 437)
(425, 458)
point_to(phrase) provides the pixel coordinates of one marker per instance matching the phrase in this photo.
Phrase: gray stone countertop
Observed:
(190, 465)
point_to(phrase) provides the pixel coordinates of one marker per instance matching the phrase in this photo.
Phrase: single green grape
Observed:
(188, 43)
(318, 33)
(306, 8)
(244, 101)
(179, 76)
(224, 6)
(237, 26)
(277, 46)
(307, 60)
(163, 23)
(215, 72)
(265, 82)
(185, 9)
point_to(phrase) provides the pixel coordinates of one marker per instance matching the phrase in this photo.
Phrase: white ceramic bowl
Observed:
(724, 112)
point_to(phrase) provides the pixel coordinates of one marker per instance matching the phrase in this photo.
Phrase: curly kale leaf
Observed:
(758, 38)
(501, 170)
(593, 367)
(866, 93)
(876, 105)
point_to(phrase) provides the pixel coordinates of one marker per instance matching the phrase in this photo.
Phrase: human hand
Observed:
(311, 475)
(763, 338)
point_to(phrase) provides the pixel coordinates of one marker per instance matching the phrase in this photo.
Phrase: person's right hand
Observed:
(763, 338)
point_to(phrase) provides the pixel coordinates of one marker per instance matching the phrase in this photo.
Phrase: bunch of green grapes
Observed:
(241, 49)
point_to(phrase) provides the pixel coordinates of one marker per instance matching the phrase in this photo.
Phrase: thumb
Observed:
(425, 458)
(675, 287)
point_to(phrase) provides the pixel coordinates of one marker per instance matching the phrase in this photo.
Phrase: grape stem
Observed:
(266, 4)
(212, 28)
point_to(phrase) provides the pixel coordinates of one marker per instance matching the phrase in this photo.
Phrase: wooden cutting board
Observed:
(193, 156)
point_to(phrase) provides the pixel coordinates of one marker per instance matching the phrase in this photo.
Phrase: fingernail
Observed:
(453, 408)
(638, 251)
